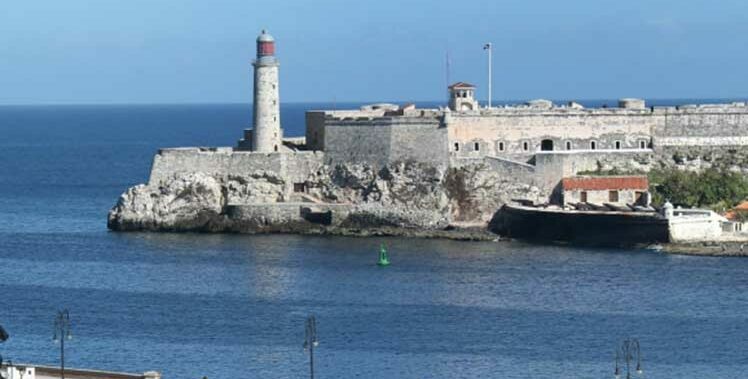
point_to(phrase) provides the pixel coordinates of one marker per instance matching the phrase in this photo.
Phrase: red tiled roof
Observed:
(601, 183)
(734, 213)
(742, 206)
(462, 85)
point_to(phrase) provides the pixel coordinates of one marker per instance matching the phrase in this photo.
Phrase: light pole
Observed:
(62, 329)
(489, 47)
(310, 342)
(628, 350)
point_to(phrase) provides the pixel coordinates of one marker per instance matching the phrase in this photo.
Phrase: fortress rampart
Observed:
(525, 144)
(519, 132)
(377, 138)
(226, 164)
(384, 168)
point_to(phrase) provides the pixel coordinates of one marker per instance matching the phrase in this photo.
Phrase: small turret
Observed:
(462, 97)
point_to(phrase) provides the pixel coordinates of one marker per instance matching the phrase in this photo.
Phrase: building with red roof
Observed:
(606, 189)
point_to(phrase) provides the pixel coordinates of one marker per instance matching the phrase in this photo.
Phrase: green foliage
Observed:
(713, 188)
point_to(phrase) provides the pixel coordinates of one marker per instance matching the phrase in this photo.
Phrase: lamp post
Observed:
(628, 350)
(310, 342)
(62, 330)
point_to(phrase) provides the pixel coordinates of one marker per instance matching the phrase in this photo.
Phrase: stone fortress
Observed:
(389, 169)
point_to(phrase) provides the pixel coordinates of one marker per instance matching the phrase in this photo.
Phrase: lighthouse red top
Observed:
(265, 45)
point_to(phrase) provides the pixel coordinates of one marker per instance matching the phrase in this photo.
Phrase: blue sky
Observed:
(185, 51)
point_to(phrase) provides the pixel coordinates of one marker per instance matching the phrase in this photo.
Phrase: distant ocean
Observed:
(232, 306)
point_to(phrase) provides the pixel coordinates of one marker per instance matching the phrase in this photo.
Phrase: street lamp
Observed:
(62, 330)
(628, 350)
(310, 342)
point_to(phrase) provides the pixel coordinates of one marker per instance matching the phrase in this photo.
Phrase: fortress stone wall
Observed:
(378, 140)
(522, 132)
(281, 170)
(536, 146)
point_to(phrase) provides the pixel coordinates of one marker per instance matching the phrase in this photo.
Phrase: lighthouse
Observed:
(267, 135)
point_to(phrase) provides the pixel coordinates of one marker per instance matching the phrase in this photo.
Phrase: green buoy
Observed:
(383, 260)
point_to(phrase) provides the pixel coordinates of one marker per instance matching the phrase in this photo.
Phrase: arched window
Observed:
(546, 145)
(476, 146)
(501, 146)
(593, 145)
(457, 146)
(275, 147)
(568, 145)
(618, 145)
(642, 144)
(525, 146)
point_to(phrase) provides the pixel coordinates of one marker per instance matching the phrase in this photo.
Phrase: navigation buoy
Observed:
(383, 260)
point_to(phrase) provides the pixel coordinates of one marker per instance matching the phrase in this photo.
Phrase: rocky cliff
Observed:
(405, 198)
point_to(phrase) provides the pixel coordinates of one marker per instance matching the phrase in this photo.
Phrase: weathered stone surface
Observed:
(186, 203)
(404, 198)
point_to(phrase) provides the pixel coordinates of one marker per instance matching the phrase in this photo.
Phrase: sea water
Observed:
(232, 306)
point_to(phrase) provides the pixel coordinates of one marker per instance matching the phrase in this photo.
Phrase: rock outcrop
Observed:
(405, 198)
(187, 203)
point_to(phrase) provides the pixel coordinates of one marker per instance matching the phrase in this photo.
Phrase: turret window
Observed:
(457, 146)
(476, 146)
(501, 146)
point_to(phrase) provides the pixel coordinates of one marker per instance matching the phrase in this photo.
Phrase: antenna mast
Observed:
(447, 67)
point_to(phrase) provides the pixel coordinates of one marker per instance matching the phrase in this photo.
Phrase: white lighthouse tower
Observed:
(267, 135)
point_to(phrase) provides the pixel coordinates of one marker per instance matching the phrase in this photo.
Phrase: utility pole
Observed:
(489, 47)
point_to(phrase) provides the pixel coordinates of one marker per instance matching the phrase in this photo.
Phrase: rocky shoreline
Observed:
(711, 249)
(405, 199)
